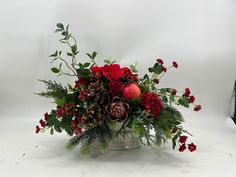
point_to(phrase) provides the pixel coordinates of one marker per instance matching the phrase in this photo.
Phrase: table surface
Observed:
(25, 154)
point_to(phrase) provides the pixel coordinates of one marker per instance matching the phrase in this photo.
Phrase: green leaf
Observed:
(94, 55)
(86, 64)
(184, 101)
(175, 138)
(133, 68)
(65, 33)
(73, 48)
(90, 56)
(69, 54)
(55, 70)
(107, 61)
(59, 101)
(52, 131)
(54, 54)
(172, 98)
(57, 127)
(58, 30)
(60, 25)
(164, 99)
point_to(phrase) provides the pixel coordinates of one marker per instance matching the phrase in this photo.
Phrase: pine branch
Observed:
(100, 134)
(54, 89)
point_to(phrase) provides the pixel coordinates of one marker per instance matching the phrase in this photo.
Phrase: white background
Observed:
(199, 34)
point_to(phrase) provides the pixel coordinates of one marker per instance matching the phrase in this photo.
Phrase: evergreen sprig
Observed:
(54, 89)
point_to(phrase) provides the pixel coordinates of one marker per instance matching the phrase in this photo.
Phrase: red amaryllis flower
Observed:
(182, 148)
(187, 92)
(37, 129)
(182, 139)
(173, 92)
(191, 99)
(116, 87)
(175, 64)
(46, 116)
(192, 147)
(152, 103)
(42, 123)
(160, 61)
(198, 108)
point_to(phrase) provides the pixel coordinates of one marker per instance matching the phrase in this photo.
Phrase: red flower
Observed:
(191, 99)
(173, 92)
(197, 108)
(73, 124)
(152, 103)
(160, 61)
(187, 92)
(182, 148)
(192, 147)
(116, 87)
(60, 112)
(182, 139)
(163, 69)
(175, 64)
(37, 129)
(157, 81)
(46, 116)
(79, 120)
(128, 73)
(42, 123)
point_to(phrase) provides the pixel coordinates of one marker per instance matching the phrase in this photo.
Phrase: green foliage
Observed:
(100, 134)
(157, 69)
(54, 89)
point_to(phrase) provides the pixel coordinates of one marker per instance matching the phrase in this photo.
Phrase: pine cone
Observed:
(92, 117)
(98, 92)
(118, 110)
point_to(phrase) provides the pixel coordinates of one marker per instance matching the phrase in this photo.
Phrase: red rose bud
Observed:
(182, 139)
(46, 116)
(37, 129)
(182, 148)
(173, 92)
(192, 147)
(197, 108)
(163, 69)
(160, 61)
(42, 123)
(156, 81)
(187, 92)
(191, 99)
(175, 64)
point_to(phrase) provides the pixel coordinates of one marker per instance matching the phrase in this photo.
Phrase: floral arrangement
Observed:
(104, 96)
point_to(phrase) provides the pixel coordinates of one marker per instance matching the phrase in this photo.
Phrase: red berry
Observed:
(182, 148)
(175, 64)
(78, 131)
(46, 116)
(37, 129)
(191, 99)
(160, 61)
(182, 139)
(187, 92)
(79, 119)
(163, 69)
(42, 123)
(192, 147)
(173, 92)
(198, 108)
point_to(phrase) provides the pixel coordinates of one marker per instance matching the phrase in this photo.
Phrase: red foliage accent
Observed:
(198, 108)
(182, 148)
(182, 139)
(192, 147)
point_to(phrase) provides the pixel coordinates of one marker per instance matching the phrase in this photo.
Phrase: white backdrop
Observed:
(199, 34)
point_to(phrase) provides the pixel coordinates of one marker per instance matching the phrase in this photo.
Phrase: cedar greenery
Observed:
(104, 96)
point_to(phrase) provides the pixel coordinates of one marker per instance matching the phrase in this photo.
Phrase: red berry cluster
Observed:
(65, 109)
(191, 99)
(182, 142)
(74, 123)
(42, 123)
